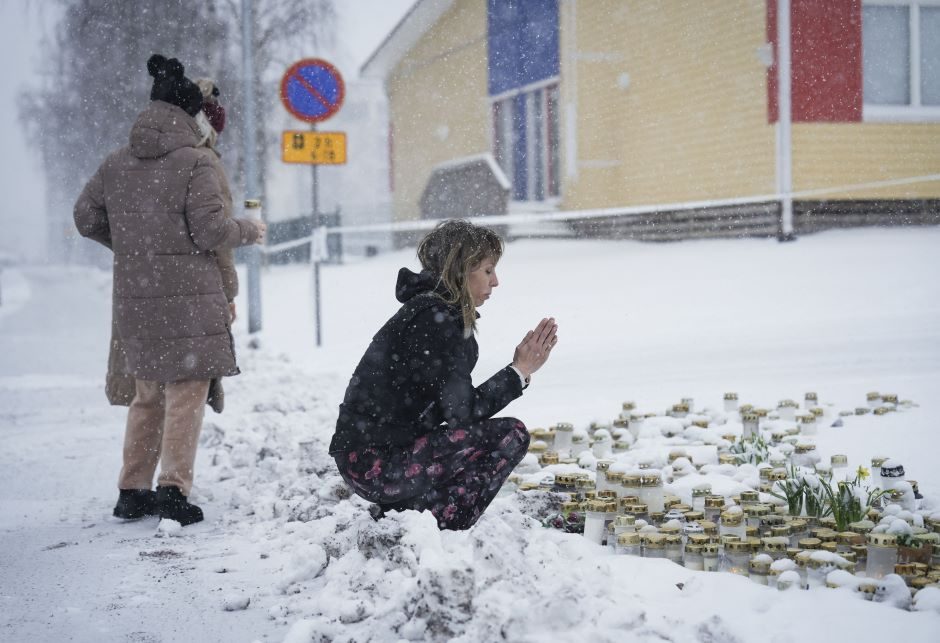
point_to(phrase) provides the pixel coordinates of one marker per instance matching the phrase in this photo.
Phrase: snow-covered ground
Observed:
(285, 554)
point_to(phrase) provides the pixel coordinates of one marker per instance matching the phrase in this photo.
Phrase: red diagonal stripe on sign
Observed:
(310, 88)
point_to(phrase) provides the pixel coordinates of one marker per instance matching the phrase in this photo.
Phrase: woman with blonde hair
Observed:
(413, 432)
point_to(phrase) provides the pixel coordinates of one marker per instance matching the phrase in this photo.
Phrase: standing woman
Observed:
(413, 432)
(159, 205)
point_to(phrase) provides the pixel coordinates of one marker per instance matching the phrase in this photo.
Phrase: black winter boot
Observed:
(172, 504)
(135, 503)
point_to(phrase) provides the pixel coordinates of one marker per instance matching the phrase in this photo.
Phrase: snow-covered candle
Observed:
(882, 555)
(731, 402)
(594, 519)
(563, 433)
(651, 490)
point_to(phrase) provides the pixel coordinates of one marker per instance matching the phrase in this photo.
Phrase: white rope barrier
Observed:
(631, 211)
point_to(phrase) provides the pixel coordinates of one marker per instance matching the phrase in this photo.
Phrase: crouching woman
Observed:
(413, 432)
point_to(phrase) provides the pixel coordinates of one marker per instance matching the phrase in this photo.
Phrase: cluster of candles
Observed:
(749, 533)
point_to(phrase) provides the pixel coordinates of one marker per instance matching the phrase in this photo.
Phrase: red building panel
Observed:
(826, 59)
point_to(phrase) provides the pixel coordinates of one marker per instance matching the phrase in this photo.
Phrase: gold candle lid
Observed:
(883, 540)
(810, 543)
(651, 480)
(628, 539)
(631, 480)
(549, 457)
(731, 396)
(757, 511)
(732, 519)
(653, 541)
(625, 521)
(714, 502)
(775, 543)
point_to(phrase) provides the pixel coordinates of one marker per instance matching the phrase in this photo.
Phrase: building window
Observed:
(525, 142)
(901, 56)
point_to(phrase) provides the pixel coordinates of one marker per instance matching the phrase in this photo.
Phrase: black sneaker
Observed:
(135, 503)
(172, 504)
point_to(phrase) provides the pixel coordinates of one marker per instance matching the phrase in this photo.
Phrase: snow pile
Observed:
(344, 577)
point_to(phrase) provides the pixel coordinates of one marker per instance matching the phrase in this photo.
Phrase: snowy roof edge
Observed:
(399, 41)
(487, 158)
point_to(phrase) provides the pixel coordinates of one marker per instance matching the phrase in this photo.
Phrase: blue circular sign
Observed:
(312, 90)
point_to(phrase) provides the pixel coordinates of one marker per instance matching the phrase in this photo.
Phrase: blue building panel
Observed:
(523, 40)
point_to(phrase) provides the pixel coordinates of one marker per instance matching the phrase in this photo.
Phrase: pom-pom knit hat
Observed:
(171, 85)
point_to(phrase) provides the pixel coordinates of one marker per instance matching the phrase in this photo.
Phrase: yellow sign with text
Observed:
(314, 148)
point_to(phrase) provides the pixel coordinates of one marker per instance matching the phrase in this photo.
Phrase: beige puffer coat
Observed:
(160, 206)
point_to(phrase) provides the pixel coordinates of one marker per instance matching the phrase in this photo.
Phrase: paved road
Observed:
(68, 570)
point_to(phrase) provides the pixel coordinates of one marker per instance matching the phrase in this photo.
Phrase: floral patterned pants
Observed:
(454, 473)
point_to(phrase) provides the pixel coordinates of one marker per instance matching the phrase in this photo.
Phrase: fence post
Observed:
(318, 252)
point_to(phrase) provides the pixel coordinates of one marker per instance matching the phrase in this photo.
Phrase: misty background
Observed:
(34, 217)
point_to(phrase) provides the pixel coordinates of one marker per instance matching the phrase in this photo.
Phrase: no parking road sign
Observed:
(312, 90)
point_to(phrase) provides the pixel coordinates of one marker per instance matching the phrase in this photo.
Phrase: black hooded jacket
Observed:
(415, 375)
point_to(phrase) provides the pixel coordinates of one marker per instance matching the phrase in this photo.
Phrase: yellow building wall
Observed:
(833, 155)
(692, 122)
(438, 102)
(668, 101)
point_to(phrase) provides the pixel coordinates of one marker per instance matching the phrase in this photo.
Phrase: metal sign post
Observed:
(313, 90)
(251, 168)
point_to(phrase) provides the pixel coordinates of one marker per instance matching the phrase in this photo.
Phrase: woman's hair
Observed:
(451, 251)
